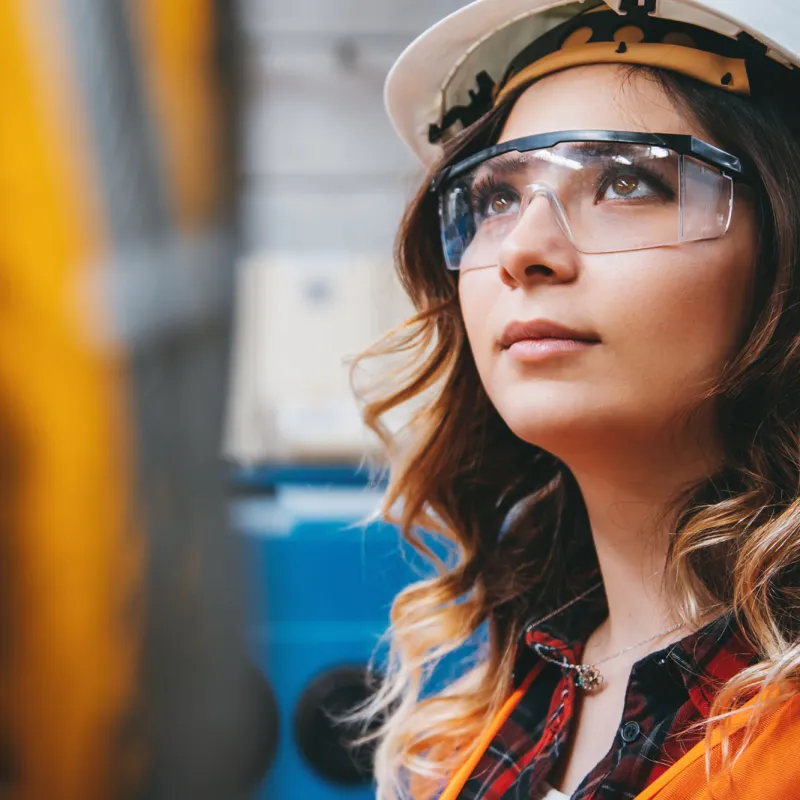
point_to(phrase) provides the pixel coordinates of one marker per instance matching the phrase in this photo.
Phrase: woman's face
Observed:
(667, 318)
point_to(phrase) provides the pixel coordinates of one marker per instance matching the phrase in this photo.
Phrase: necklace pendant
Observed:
(589, 678)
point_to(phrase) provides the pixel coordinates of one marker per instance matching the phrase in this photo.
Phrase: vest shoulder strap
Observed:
(460, 778)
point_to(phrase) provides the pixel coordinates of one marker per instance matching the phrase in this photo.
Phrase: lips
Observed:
(537, 329)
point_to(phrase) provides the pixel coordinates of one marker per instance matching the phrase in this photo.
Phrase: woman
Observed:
(604, 259)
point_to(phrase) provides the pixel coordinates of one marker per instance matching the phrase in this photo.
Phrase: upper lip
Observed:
(542, 329)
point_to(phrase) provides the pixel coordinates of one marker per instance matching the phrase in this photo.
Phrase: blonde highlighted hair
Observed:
(458, 471)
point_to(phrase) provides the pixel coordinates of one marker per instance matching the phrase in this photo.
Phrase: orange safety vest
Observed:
(769, 767)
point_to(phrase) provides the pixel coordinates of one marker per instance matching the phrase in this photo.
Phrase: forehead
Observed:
(598, 97)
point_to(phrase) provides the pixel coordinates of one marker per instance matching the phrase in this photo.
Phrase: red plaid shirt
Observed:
(668, 691)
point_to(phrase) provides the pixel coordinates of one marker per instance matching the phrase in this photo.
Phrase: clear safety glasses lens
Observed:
(607, 197)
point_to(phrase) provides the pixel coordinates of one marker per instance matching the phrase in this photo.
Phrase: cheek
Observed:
(702, 292)
(478, 292)
(687, 306)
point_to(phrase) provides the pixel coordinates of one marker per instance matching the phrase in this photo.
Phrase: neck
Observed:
(628, 504)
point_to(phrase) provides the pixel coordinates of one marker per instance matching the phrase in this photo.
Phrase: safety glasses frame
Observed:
(682, 144)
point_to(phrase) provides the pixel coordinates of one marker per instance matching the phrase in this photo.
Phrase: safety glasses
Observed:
(610, 191)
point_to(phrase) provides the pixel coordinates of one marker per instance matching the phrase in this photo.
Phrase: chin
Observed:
(562, 415)
(554, 438)
(546, 424)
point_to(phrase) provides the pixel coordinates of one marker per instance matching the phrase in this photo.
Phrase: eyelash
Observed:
(653, 180)
(481, 193)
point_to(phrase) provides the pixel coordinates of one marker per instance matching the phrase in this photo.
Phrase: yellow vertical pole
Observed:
(72, 562)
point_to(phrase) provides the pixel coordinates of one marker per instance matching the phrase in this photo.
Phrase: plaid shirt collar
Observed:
(706, 658)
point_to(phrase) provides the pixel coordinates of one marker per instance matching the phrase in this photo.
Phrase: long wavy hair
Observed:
(512, 513)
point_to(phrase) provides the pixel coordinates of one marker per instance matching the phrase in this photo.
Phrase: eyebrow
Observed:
(508, 164)
(505, 164)
(603, 148)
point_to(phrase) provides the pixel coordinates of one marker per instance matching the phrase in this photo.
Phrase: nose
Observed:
(538, 247)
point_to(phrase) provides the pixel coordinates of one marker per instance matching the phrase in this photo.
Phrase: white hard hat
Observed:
(464, 58)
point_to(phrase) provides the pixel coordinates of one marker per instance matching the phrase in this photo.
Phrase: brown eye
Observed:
(499, 204)
(624, 185)
(494, 199)
(633, 187)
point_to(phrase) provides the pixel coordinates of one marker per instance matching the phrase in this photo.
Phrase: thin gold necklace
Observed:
(589, 676)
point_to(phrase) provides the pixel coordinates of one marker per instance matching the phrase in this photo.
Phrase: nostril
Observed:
(538, 269)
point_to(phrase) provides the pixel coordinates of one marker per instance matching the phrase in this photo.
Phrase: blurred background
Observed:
(200, 199)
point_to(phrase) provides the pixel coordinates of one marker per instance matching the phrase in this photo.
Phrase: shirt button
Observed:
(630, 732)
